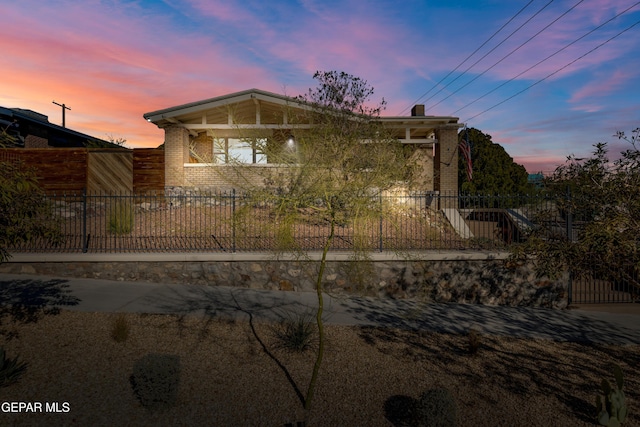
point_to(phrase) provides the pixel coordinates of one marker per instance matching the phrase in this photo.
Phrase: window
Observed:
(226, 150)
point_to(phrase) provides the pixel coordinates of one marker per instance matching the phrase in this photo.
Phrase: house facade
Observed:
(201, 138)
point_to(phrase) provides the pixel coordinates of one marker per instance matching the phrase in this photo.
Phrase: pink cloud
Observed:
(117, 74)
(538, 164)
(223, 10)
(602, 85)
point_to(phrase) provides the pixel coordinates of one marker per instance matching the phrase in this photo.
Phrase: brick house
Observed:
(201, 136)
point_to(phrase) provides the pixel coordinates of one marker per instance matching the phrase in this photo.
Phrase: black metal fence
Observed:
(232, 222)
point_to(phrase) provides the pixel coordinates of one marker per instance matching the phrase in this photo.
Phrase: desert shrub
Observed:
(474, 341)
(10, 369)
(120, 328)
(399, 410)
(436, 408)
(25, 213)
(121, 217)
(295, 333)
(155, 380)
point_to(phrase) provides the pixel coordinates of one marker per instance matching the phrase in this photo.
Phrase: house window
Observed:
(240, 151)
(226, 150)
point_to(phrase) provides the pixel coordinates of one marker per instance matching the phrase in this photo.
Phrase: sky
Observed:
(545, 78)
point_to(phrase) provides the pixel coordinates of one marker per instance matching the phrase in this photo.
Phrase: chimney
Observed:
(417, 110)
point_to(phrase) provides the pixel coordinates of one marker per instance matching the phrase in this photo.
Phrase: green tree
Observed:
(333, 170)
(25, 213)
(603, 199)
(494, 171)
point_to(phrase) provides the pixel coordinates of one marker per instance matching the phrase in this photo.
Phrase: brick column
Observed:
(446, 162)
(176, 154)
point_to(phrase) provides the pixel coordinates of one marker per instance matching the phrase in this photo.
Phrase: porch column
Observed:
(446, 166)
(176, 154)
(446, 161)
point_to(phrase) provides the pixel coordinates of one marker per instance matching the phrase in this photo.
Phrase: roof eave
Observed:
(158, 116)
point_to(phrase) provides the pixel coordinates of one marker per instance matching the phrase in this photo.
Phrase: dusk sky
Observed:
(557, 85)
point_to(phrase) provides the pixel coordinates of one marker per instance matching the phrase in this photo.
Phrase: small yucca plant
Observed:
(10, 369)
(295, 333)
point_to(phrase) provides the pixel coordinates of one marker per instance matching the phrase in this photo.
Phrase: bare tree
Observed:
(333, 160)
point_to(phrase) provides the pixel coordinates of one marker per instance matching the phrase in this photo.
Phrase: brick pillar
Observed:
(446, 162)
(422, 179)
(176, 154)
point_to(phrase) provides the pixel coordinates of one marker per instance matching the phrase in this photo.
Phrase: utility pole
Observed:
(64, 107)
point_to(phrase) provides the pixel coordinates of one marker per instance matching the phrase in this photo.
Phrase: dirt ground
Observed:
(231, 373)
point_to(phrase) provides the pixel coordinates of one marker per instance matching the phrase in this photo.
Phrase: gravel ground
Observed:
(233, 374)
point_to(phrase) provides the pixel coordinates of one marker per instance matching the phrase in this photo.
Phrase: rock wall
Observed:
(489, 281)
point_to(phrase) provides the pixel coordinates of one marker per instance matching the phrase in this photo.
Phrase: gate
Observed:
(594, 288)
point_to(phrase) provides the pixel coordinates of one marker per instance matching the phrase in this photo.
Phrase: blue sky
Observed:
(547, 79)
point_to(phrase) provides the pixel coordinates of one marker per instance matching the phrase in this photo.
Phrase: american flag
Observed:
(465, 149)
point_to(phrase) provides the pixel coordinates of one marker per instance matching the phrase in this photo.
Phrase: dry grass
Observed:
(233, 374)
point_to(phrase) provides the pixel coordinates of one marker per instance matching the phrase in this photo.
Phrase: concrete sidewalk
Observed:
(92, 295)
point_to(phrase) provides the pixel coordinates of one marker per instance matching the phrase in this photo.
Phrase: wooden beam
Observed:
(419, 141)
(245, 126)
(258, 112)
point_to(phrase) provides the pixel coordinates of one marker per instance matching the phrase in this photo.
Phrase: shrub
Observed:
(155, 380)
(120, 328)
(295, 333)
(121, 217)
(436, 408)
(475, 341)
(613, 409)
(10, 369)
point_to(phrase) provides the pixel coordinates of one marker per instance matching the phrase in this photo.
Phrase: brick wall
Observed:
(446, 175)
(176, 151)
(226, 177)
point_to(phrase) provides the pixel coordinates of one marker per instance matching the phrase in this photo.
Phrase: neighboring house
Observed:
(201, 136)
(33, 130)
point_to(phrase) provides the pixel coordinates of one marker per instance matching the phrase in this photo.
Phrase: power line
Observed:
(468, 57)
(554, 73)
(494, 48)
(545, 59)
(506, 56)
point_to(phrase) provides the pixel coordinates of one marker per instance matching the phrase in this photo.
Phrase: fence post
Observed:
(233, 221)
(381, 219)
(85, 243)
(569, 225)
(569, 230)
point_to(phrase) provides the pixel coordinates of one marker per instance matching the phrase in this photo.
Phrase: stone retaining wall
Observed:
(487, 281)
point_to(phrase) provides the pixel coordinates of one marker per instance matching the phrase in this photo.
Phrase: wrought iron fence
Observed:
(233, 222)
